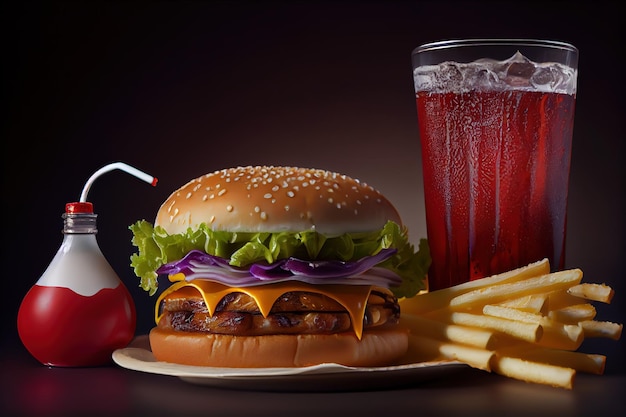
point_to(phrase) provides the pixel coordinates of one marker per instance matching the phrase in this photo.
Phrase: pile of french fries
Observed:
(525, 324)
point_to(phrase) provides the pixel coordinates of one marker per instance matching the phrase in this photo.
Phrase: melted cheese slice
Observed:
(352, 297)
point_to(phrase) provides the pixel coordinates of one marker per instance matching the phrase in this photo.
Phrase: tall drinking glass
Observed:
(495, 121)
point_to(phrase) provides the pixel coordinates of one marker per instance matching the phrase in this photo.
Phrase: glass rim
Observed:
(453, 43)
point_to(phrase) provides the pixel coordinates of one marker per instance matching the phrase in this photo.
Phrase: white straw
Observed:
(116, 165)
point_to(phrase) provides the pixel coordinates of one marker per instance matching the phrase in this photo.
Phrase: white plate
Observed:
(324, 377)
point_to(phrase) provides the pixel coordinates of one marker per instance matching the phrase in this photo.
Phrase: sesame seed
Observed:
(188, 195)
(286, 208)
(257, 209)
(267, 195)
(263, 215)
(222, 192)
(229, 208)
(290, 194)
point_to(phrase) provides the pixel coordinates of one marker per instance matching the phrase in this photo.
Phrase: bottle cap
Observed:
(79, 207)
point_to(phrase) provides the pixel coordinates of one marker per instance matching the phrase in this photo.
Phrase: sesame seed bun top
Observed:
(276, 199)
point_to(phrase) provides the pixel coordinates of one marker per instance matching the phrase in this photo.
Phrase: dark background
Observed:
(179, 89)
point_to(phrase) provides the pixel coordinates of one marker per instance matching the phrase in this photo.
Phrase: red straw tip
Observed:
(79, 207)
(154, 181)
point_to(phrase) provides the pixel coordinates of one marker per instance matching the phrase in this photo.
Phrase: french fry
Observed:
(562, 336)
(539, 373)
(439, 299)
(512, 314)
(433, 349)
(593, 328)
(534, 303)
(561, 298)
(446, 332)
(530, 332)
(583, 362)
(555, 335)
(526, 324)
(500, 292)
(595, 292)
(573, 314)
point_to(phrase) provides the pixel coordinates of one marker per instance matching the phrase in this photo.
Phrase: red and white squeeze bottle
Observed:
(79, 311)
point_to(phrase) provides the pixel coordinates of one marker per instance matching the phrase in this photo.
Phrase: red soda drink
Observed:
(496, 146)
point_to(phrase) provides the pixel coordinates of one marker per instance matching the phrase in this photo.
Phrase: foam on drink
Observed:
(515, 73)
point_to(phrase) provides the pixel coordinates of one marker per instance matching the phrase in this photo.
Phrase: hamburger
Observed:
(278, 267)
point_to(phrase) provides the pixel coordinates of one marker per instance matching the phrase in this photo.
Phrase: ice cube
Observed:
(544, 79)
(485, 79)
(554, 78)
(519, 71)
(449, 75)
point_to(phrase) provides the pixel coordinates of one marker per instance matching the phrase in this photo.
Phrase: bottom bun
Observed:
(376, 348)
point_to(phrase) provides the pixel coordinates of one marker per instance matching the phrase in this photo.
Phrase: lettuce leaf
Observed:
(156, 247)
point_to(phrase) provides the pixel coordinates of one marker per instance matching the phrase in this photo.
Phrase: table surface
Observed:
(31, 389)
